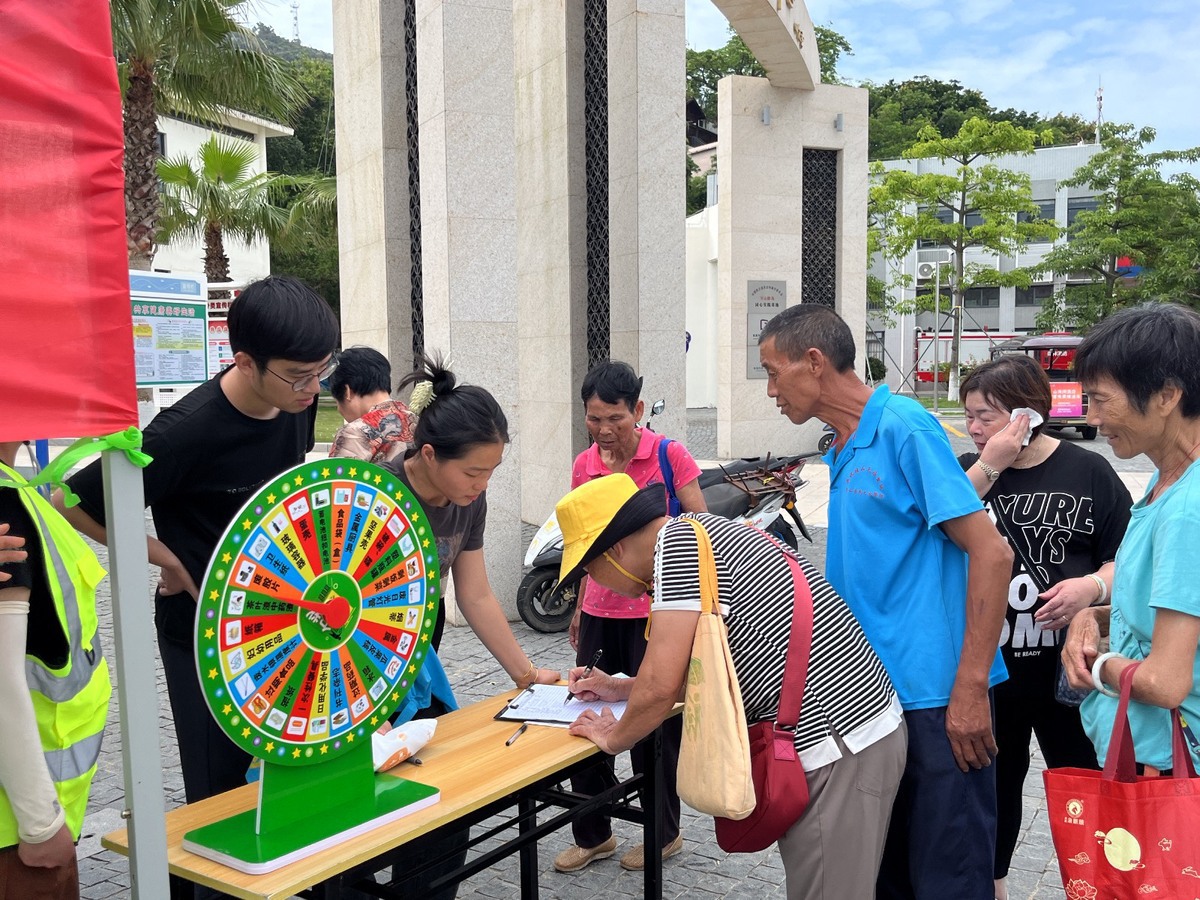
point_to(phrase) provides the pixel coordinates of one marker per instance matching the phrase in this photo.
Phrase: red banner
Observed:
(66, 336)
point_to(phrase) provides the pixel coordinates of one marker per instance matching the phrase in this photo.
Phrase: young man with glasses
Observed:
(211, 451)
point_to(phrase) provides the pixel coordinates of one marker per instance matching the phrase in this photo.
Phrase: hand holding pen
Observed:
(586, 674)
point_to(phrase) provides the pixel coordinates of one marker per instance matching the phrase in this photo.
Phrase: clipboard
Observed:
(543, 704)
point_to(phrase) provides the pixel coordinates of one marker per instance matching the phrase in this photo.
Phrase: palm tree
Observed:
(218, 195)
(191, 57)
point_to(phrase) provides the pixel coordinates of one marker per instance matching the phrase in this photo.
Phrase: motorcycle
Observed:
(754, 491)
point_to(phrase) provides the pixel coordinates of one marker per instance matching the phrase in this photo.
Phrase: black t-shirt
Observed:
(208, 460)
(46, 640)
(455, 528)
(1063, 518)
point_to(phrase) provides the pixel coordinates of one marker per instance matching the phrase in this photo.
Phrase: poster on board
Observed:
(764, 301)
(170, 329)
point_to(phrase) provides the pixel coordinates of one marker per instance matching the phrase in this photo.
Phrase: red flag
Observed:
(66, 337)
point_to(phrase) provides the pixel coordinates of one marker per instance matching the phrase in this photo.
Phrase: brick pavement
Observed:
(702, 870)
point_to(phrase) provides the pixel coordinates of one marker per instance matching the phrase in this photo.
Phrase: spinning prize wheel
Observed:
(315, 617)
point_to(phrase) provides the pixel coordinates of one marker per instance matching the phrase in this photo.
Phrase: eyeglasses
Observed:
(304, 381)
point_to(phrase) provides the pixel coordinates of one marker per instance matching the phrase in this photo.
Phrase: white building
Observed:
(989, 313)
(180, 135)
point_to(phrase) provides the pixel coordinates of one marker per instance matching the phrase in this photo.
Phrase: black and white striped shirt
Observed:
(847, 691)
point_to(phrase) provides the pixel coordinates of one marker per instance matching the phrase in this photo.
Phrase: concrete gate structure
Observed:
(510, 193)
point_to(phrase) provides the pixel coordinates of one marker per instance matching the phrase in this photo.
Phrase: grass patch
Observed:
(927, 402)
(328, 422)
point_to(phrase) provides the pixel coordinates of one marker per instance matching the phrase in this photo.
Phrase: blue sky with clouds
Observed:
(1042, 57)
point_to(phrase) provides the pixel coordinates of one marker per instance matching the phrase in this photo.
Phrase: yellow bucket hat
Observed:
(600, 513)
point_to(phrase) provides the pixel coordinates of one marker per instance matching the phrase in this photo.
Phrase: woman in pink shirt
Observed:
(609, 622)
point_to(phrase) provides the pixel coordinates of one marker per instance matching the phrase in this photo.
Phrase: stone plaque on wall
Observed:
(764, 301)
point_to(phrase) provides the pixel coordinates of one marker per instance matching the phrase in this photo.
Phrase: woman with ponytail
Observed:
(458, 443)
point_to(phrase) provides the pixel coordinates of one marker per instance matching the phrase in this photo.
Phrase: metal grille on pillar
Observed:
(595, 131)
(819, 239)
(414, 176)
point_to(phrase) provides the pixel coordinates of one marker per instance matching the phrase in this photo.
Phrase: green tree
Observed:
(972, 204)
(218, 196)
(191, 57)
(1140, 215)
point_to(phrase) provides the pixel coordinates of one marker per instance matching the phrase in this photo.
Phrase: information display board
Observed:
(170, 329)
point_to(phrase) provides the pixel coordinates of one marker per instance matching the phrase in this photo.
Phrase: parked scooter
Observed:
(756, 491)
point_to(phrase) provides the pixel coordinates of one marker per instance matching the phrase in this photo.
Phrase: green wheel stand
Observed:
(315, 617)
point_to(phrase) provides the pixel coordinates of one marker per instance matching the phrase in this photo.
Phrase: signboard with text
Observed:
(170, 329)
(1066, 399)
(764, 301)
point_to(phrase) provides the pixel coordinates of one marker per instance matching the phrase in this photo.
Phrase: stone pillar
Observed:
(469, 233)
(646, 84)
(764, 132)
(373, 197)
(551, 246)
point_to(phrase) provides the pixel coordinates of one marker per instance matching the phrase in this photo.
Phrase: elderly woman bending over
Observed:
(851, 736)
(1141, 370)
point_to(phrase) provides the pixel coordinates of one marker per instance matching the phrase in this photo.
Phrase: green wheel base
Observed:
(234, 842)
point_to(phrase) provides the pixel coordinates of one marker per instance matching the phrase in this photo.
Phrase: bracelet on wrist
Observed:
(1103, 586)
(1098, 669)
(528, 678)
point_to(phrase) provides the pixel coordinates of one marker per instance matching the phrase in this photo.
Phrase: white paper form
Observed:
(543, 704)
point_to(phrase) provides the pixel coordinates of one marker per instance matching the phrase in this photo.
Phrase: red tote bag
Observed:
(1121, 836)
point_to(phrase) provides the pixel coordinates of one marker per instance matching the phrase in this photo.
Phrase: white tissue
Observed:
(1035, 419)
(391, 749)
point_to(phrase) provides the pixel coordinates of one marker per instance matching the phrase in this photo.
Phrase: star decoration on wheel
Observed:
(208, 633)
(247, 524)
(226, 558)
(270, 498)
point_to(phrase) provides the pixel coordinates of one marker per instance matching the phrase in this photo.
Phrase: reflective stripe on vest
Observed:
(61, 684)
(70, 703)
(71, 762)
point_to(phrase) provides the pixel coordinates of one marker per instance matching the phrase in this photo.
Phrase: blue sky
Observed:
(1043, 57)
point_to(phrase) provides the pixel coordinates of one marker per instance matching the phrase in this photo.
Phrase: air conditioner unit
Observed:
(926, 270)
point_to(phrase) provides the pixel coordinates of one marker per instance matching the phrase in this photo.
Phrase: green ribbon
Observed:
(128, 442)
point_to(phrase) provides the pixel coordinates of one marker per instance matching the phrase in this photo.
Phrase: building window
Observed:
(1034, 295)
(982, 298)
(1076, 205)
(1045, 212)
(162, 145)
(974, 218)
(942, 215)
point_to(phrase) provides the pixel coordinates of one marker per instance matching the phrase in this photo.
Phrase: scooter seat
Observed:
(727, 500)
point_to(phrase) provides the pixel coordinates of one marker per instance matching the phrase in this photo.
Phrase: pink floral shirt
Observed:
(644, 470)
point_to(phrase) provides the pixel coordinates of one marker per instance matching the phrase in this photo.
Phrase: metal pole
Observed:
(133, 619)
(937, 334)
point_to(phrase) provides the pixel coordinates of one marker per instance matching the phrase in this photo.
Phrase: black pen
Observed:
(586, 673)
(516, 734)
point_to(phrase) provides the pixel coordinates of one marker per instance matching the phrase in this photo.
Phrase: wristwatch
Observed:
(990, 473)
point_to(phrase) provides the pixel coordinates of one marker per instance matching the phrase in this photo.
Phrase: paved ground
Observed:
(702, 870)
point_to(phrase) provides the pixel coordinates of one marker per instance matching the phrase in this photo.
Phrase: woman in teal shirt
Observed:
(1141, 370)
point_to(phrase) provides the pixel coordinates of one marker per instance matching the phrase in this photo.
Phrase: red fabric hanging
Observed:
(66, 337)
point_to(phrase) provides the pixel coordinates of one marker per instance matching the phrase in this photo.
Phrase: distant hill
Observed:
(281, 48)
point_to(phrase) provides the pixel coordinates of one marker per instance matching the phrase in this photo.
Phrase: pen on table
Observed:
(516, 734)
(586, 673)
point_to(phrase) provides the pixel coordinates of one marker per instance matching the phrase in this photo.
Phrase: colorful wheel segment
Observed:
(317, 611)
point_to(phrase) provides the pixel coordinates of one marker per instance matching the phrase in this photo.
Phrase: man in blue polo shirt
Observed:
(926, 573)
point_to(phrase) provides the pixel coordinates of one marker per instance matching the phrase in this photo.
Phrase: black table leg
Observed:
(527, 821)
(652, 807)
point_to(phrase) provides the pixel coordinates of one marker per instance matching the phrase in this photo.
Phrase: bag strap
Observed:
(795, 670)
(668, 474)
(1121, 763)
(795, 667)
(708, 570)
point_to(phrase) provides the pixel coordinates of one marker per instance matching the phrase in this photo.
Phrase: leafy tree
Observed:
(1140, 215)
(284, 48)
(191, 57)
(697, 187)
(218, 196)
(311, 149)
(830, 47)
(973, 204)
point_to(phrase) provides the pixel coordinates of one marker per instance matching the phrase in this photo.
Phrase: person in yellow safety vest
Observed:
(54, 691)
